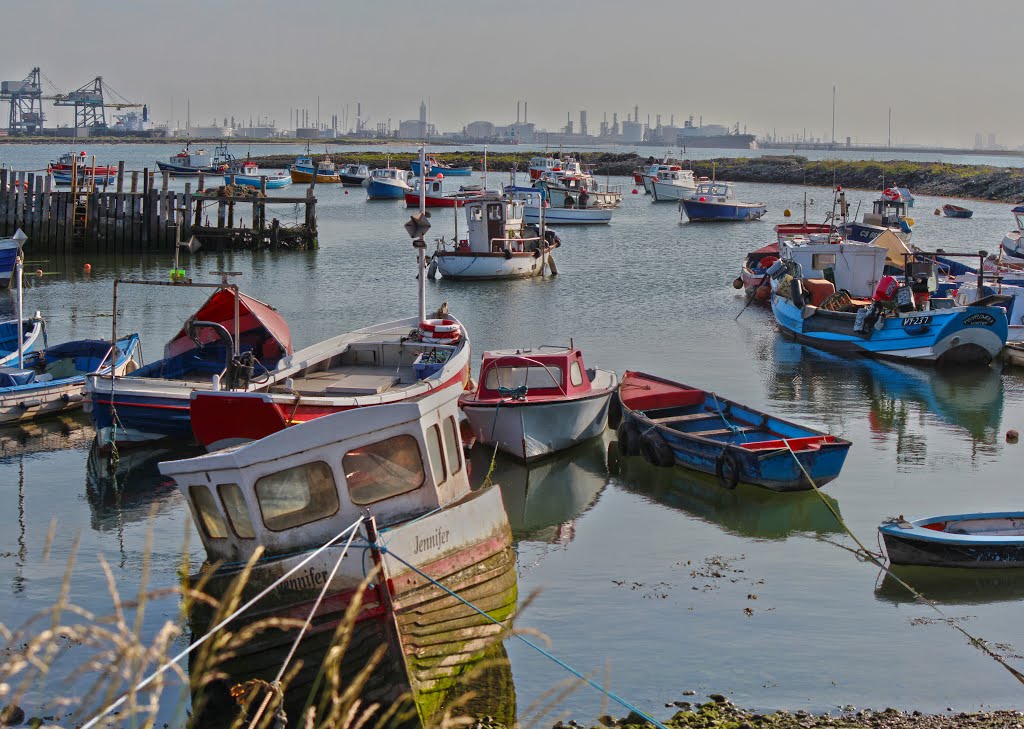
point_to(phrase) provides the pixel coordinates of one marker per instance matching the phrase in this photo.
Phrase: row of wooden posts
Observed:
(148, 216)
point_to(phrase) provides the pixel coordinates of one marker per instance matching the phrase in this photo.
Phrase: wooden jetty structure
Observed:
(148, 216)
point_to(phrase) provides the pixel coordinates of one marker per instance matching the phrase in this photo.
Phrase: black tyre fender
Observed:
(614, 411)
(727, 469)
(656, 450)
(629, 438)
(508, 254)
(536, 252)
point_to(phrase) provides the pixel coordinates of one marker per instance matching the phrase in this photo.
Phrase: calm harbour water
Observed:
(623, 558)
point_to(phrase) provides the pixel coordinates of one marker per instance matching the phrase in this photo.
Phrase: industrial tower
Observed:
(26, 99)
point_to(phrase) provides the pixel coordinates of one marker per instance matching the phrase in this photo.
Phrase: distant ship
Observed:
(714, 135)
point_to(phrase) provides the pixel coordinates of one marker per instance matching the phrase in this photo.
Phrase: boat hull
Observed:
(468, 266)
(712, 211)
(432, 171)
(567, 216)
(382, 190)
(662, 192)
(965, 335)
(185, 170)
(9, 250)
(913, 543)
(532, 430)
(432, 638)
(962, 213)
(412, 199)
(141, 411)
(298, 175)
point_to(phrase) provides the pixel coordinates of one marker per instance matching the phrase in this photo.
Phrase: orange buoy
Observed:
(87, 267)
(737, 283)
(39, 272)
(346, 192)
(1012, 436)
(763, 292)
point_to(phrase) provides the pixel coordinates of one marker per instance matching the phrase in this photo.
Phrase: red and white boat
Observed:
(532, 403)
(69, 161)
(436, 197)
(384, 363)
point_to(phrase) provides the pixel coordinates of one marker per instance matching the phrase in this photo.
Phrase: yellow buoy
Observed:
(786, 213)
(910, 222)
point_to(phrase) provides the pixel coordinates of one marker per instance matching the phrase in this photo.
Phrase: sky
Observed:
(948, 70)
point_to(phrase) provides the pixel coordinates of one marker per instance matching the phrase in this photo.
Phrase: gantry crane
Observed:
(90, 105)
(26, 98)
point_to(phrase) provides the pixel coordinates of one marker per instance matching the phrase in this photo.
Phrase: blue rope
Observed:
(721, 413)
(622, 702)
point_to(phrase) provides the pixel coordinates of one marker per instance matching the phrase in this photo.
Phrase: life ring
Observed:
(891, 194)
(628, 434)
(656, 450)
(727, 469)
(435, 327)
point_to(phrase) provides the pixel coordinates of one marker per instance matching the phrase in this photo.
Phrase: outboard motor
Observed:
(777, 270)
(796, 293)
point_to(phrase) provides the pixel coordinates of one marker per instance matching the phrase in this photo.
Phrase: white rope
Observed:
(316, 606)
(167, 665)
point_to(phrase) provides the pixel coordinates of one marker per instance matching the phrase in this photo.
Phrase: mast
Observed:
(18, 271)
(421, 251)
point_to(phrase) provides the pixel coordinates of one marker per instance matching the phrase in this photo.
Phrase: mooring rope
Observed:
(876, 559)
(614, 697)
(206, 636)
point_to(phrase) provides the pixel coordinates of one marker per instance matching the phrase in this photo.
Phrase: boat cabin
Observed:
(298, 488)
(546, 373)
(714, 192)
(188, 158)
(390, 173)
(1018, 215)
(540, 165)
(494, 225)
(356, 170)
(682, 178)
(434, 186)
(855, 267)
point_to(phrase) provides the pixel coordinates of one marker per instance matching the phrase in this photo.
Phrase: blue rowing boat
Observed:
(989, 540)
(716, 201)
(673, 424)
(9, 250)
(31, 330)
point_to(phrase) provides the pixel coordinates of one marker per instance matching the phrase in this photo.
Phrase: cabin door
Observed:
(495, 224)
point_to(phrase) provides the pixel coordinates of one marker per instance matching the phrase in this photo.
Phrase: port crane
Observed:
(90, 102)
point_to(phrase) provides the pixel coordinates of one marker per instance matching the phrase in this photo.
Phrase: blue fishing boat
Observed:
(232, 339)
(85, 177)
(434, 168)
(247, 172)
(50, 381)
(672, 424)
(990, 540)
(824, 294)
(717, 201)
(888, 212)
(31, 330)
(387, 183)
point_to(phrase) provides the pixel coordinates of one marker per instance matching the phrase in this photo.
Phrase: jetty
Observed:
(139, 213)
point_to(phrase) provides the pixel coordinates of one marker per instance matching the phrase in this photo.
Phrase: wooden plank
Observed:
(120, 176)
(135, 181)
(69, 218)
(92, 220)
(3, 201)
(186, 214)
(37, 210)
(19, 202)
(46, 234)
(153, 221)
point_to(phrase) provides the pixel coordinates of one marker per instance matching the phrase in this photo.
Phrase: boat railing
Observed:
(516, 245)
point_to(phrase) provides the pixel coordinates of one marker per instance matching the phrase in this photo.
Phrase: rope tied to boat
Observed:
(866, 555)
(734, 429)
(610, 694)
(514, 393)
(166, 665)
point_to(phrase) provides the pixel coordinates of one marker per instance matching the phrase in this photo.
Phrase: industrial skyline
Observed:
(774, 76)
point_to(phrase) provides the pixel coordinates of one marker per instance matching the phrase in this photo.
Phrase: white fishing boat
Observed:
(535, 402)
(565, 215)
(498, 244)
(673, 185)
(1013, 243)
(393, 479)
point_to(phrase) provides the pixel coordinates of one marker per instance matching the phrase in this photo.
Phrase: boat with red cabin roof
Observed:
(535, 402)
(755, 266)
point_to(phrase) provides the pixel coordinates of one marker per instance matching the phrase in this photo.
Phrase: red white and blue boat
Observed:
(68, 162)
(435, 168)
(532, 403)
(86, 177)
(436, 197)
(715, 201)
(825, 295)
(671, 424)
(233, 340)
(987, 540)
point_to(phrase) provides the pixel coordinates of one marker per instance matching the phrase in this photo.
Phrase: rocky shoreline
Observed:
(979, 182)
(722, 713)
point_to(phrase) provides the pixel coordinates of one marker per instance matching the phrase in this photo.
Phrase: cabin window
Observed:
(533, 377)
(451, 445)
(476, 214)
(575, 374)
(209, 517)
(234, 506)
(384, 469)
(437, 464)
(297, 496)
(494, 212)
(821, 261)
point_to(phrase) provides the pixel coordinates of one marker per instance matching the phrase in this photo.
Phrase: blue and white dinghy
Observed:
(985, 540)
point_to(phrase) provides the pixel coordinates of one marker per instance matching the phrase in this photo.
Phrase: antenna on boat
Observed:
(19, 273)
(417, 227)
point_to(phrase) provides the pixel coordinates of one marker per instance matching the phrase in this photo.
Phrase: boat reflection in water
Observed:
(968, 400)
(68, 430)
(544, 499)
(952, 586)
(747, 511)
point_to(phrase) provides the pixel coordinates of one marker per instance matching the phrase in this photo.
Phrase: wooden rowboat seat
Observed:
(686, 418)
(725, 431)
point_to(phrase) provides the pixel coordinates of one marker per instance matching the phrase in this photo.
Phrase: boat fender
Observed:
(536, 252)
(727, 469)
(655, 450)
(628, 434)
(71, 397)
(796, 293)
(508, 254)
(614, 411)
